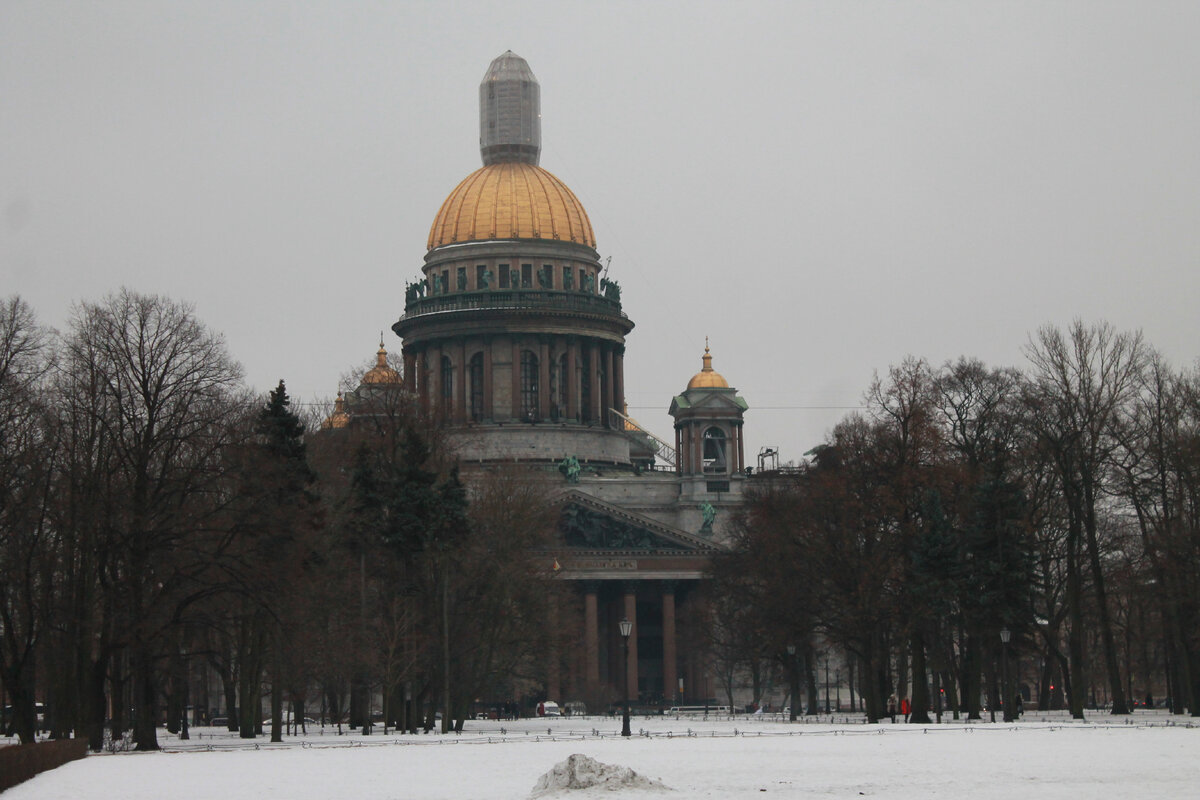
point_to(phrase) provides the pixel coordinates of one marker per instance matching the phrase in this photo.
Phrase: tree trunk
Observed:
(95, 705)
(1119, 704)
(446, 648)
(919, 700)
(951, 687)
(229, 685)
(20, 690)
(276, 692)
(120, 703)
(1077, 669)
(972, 673)
(145, 722)
(250, 685)
(810, 681)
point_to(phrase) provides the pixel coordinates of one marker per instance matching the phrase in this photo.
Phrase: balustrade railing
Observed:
(514, 299)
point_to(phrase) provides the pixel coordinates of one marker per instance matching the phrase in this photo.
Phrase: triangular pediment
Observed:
(590, 524)
(722, 401)
(707, 400)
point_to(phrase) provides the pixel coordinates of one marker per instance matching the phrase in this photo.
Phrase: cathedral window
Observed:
(529, 386)
(477, 387)
(526, 276)
(447, 382)
(714, 450)
(503, 270)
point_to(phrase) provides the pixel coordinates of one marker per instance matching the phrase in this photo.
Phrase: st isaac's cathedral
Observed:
(515, 338)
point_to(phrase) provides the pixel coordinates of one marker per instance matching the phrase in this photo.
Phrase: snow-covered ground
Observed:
(1150, 755)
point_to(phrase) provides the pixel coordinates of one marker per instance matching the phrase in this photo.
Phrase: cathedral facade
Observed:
(513, 336)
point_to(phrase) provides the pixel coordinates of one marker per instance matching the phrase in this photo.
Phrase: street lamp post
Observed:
(1005, 635)
(791, 649)
(626, 629)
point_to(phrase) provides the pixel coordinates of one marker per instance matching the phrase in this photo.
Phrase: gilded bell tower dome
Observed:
(707, 377)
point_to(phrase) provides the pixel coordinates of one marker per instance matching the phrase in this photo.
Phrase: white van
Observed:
(549, 708)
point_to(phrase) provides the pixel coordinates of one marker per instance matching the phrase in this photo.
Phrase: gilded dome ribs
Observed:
(511, 200)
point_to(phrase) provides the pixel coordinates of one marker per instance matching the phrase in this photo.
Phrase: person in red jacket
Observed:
(905, 708)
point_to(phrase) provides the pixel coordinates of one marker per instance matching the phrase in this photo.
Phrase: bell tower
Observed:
(708, 435)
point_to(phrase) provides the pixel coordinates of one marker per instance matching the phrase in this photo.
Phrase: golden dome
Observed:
(381, 372)
(707, 378)
(339, 418)
(511, 200)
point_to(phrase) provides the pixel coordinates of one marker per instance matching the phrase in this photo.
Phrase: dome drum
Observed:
(508, 307)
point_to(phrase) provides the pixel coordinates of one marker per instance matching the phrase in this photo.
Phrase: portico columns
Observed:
(554, 673)
(631, 614)
(410, 369)
(670, 680)
(488, 398)
(423, 379)
(460, 379)
(436, 400)
(591, 640)
(594, 381)
(619, 379)
(572, 387)
(543, 380)
(516, 380)
(608, 385)
(741, 449)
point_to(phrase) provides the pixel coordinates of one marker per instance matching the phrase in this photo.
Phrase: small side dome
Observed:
(381, 372)
(339, 418)
(707, 378)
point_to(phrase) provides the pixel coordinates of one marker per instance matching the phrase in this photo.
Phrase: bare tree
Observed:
(29, 550)
(1081, 387)
(1158, 475)
(158, 394)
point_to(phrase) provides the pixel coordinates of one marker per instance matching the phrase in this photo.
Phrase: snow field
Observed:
(1035, 760)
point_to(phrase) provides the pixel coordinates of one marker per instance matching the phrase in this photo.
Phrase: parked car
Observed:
(549, 708)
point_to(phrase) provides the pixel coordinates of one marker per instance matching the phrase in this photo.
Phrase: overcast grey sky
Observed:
(820, 188)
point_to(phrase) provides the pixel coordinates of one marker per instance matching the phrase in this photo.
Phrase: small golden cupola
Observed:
(707, 378)
(381, 372)
(339, 418)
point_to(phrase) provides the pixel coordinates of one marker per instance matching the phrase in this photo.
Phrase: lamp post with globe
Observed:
(626, 629)
(1005, 636)
(795, 676)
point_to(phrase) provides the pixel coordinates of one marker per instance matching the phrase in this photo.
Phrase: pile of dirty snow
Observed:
(581, 772)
